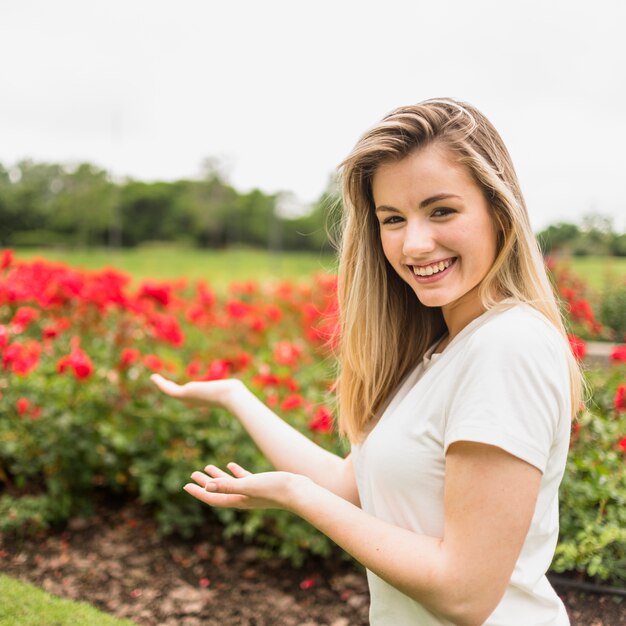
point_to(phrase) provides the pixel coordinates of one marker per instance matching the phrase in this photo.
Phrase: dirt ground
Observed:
(116, 561)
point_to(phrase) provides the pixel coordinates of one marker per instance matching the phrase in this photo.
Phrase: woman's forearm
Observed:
(289, 450)
(417, 565)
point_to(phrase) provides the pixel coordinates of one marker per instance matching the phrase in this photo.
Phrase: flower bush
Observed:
(593, 492)
(79, 415)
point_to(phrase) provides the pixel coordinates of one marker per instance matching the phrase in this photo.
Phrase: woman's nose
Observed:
(418, 240)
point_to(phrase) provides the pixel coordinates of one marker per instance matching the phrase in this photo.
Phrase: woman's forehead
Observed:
(429, 171)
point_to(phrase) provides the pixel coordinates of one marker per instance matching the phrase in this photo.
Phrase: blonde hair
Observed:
(384, 329)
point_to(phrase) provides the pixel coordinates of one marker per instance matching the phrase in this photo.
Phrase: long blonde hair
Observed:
(384, 329)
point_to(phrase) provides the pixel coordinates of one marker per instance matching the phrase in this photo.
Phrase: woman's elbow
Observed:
(470, 602)
(469, 616)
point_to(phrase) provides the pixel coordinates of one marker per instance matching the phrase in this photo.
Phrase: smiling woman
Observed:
(457, 386)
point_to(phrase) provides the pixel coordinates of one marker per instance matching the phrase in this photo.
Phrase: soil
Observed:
(116, 561)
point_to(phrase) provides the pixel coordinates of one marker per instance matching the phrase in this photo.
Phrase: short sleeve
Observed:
(512, 389)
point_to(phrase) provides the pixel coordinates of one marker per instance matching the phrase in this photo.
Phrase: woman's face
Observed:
(436, 230)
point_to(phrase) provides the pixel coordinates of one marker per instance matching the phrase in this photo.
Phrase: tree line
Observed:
(43, 204)
(594, 236)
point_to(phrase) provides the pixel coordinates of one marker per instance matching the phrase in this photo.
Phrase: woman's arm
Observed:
(285, 448)
(489, 501)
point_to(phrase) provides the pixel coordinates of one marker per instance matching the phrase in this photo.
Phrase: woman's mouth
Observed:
(433, 272)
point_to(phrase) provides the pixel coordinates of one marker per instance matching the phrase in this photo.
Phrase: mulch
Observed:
(116, 560)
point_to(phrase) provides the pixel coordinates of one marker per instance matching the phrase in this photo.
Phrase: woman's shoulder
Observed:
(517, 327)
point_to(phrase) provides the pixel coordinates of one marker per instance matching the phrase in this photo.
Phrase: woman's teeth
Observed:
(429, 270)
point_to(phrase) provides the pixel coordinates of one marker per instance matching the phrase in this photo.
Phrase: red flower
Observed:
(205, 296)
(291, 402)
(129, 356)
(622, 444)
(307, 583)
(578, 346)
(53, 331)
(21, 358)
(193, 369)
(290, 383)
(237, 309)
(166, 327)
(159, 292)
(4, 336)
(153, 362)
(23, 317)
(23, 404)
(258, 325)
(581, 310)
(77, 360)
(266, 380)
(242, 361)
(619, 354)
(6, 260)
(322, 421)
(286, 353)
(195, 313)
(273, 313)
(217, 370)
(620, 398)
(50, 332)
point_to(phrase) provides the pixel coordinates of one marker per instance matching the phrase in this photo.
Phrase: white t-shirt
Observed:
(503, 380)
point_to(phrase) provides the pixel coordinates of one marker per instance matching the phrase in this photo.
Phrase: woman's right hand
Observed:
(214, 392)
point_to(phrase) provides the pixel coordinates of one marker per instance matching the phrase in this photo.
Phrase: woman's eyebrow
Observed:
(423, 204)
(439, 196)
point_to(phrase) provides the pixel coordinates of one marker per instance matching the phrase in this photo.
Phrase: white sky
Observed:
(281, 90)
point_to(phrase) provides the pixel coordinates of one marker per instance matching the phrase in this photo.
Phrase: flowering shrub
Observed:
(593, 492)
(613, 310)
(575, 301)
(591, 316)
(79, 416)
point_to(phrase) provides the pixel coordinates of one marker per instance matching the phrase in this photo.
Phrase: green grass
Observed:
(600, 273)
(217, 267)
(24, 605)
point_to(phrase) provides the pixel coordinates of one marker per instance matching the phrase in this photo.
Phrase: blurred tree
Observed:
(318, 229)
(618, 245)
(204, 206)
(82, 204)
(558, 237)
(146, 211)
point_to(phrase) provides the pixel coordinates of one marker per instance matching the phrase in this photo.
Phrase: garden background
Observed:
(167, 204)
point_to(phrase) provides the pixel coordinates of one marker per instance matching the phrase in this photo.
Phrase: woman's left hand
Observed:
(244, 490)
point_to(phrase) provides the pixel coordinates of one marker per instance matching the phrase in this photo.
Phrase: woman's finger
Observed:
(216, 499)
(215, 472)
(237, 470)
(221, 483)
(166, 386)
(202, 479)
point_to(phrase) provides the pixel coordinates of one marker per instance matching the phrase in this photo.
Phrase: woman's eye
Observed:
(442, 212)
(393, 219)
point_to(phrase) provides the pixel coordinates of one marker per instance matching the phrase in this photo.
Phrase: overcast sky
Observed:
(280, 91)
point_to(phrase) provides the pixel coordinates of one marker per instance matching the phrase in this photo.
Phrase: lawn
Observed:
(26, 605)
(218, 267)
(599, 272)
